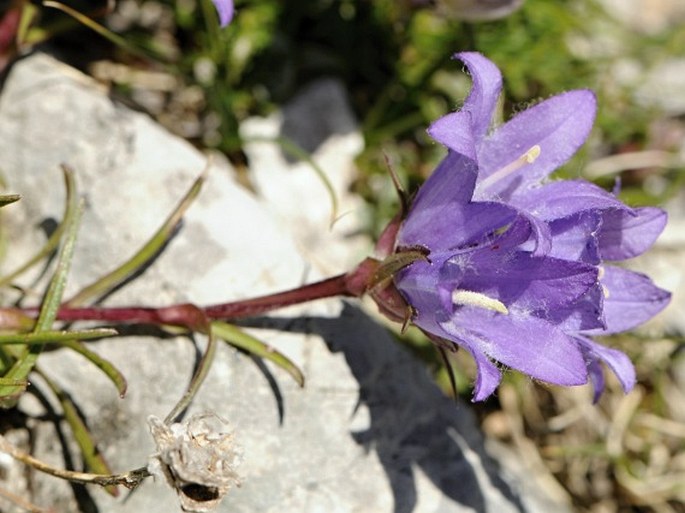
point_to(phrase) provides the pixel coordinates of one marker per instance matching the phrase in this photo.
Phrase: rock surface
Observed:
(370, 432)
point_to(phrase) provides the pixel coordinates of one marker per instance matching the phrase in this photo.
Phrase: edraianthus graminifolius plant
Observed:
(511, 265)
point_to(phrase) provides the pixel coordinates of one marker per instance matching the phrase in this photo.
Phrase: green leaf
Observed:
(71, 340)
(203, 366)
(6, 199)
(94, 460)
(142, 256)
(105, 32)
(115, 376)
(238, 338)
(297, 152)
(55, 337)
(53, 297)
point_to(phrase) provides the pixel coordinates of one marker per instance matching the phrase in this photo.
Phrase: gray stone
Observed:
(370, 432)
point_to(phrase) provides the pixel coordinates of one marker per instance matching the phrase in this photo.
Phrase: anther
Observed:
(471, 298)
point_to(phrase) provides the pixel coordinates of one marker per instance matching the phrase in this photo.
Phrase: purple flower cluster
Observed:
(515, 269)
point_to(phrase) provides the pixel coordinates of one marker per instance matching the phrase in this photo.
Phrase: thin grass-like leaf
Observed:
(203, 365)
(48, 248)
(55, 337)
(297, 152)
(108, 368)
(53, 297)
(142, 256)
(238, 338)
(104, 32)
(28, 15)
(6, 199)
(450, 371)
(94, 460)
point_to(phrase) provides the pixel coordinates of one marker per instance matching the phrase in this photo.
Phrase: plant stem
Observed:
(331, 287)
(352, 284)
(178, 314)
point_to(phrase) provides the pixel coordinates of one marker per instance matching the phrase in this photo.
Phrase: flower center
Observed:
(527, 158)
(468, 297)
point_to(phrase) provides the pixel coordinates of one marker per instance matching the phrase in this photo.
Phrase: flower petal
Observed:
(575, 237)
(524, 282)
(624, 236)
(631, 299)
(617, 361)
(451, 183)
(564, 198)
(225, 9)
(488, 376)
(583, 314)
(487, 85)
(445, 226)
(428, 291)
(528, 344)
(596, 374)
(559, 126)
(542, 235)
(454, 131)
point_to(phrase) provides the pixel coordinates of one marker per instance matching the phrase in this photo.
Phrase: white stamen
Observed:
(471, 298)
(527, 158)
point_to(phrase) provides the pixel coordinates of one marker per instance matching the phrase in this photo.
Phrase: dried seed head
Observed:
(198, 459)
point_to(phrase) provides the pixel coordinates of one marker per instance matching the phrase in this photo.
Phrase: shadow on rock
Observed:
(412, 423)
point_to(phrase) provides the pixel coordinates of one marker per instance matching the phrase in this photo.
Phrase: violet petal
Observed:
(564, 198)
(631, 299)
(444, 226)
(454, 131)
(617, 361)
(487, 85)
(528, 344)
(624, 236)
(526, 283)
(576, 237)
(225, 9)
(559, 126)
(451, 182)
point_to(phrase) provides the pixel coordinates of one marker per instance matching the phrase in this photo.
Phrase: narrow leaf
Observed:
(297, 152)
(103, 31)
(93, 459)
(203, 366)
(47, 249)
(115, 376)
(55, 337)
(53, 297)
(144, 255)
(238, 338)
(6, 199)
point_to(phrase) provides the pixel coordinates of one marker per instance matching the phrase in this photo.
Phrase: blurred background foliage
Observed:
(394, 58)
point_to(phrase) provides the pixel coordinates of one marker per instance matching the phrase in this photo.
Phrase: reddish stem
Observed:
(331, 287)
(352, 284)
